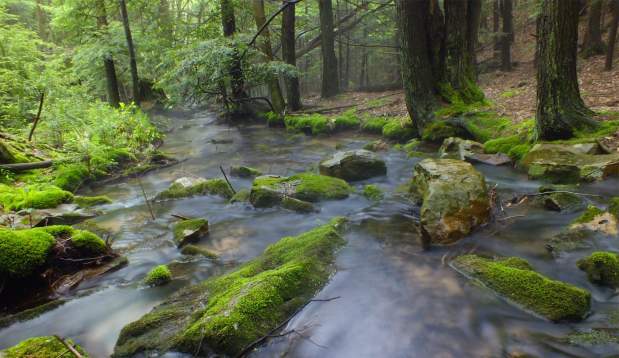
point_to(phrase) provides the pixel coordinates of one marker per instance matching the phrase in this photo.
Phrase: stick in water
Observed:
(69, 347)
(227, 181)
(150, 208)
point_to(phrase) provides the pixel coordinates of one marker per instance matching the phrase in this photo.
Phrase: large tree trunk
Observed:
(560, 109)
(496, 16)
(593, 44)
(113, 94)
(265, 45)
(474, 22)
(330, 84)
(461, 23)
(414, 19)
(288, 54)
(132, 60)
(237, 82)
(612, 35)
(506, 38)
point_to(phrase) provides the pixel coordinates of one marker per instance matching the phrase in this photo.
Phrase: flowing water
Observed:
(393, 298)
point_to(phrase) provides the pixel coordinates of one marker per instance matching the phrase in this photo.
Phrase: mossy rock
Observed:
(71, 176)
(88, 243)
(438, 131)
(245, 172)
(6, 155)
(158, 276)
(353, 165)
(373, 192)
(22, 252)
(314, 124)
(224, 314)
(597, 220)
(515, 280)
(555, 199)
(270, 190)
(376, 146)
(613, 207)
(241, 196)
(41, 347)
(601, 268)
(399, 129)
(90, 201)
(193, 250)
(374, 125)
(188, 187)
(191, 230)
(297, 205)
(32, 197)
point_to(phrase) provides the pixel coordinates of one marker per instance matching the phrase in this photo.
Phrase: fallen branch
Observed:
(37, 118)
(179, 216)
(150, 208)
(20, 167)
(227, 181)
(563, 191)
(69, 347)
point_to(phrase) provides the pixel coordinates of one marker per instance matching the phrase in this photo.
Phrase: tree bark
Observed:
(330, 84)
(593, 44)
(474, 22)
(288, 54)
(237, 82)
(496, 16)
(560, 108)
(265, 44)
(506, 41)
(612, 35)
(133, 65)
(113, 94)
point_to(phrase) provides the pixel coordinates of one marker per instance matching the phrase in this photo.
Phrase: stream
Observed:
(394, 298)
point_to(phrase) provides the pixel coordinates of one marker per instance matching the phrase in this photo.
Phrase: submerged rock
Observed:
(562, 163)
(270, 190)
(376, 146)
(595, 219)
(191, 230)
(515, 280)
(42, 347)
(158, 276)
(193, 250)
(244, 172)
(353, 165)
(454, 199)
(186, 187)
(224, 314)
(555, 199)
(601, 268)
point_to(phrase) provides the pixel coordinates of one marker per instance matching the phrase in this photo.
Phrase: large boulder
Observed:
(353, 165)
(514, 279)
(562, 163)
(189, 231)
(223, 314)
(271, 190)
(454, 197)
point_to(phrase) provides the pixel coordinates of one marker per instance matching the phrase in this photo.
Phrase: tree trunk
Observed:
(593, 44)
(496, 16)
(461, 22)
(288, 54)
(506, 41)
(474, 21)
(237, 82)
(330, 84)
(113, 94)
(265, 44)
(417, 74)
(132, 60)
(560, 109)
(612, 35)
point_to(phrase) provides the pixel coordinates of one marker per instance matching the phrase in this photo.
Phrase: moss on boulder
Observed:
(613, 207)
(245, 172)
(516, 281)
(556, 199)
(374, 124)
(190, 230)
(90, 201)
(373, 192)
(71, 176)
(187, 187)
(225, 313)
(88, 242)
(399, 129)
(601, 268)
(32, 197)
(22, 252)
(193, 250)
(41, 347)
(438, 131)
(595, 219)
(241, 196)
(158, 276)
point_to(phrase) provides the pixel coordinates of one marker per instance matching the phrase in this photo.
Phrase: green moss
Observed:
(90, 201)
(314, 124)
(22, 252)
(510, 93)
(438, 131)
(245, 172)
(71, 176)
(373, 192)
(32, 196)
(517, 282)
(268, 191)
(190, 230)
(613, 207)
(273, 119)
(41, 347)
(468, 95)
(211, 186)
(241, 196)
(58, 231)
(193, 250)
(374, 124)
(593, 337)
(487, 125)
(87, 242)
(347, 120)
(297, 205)
(399, 129)
(159, 275)
(590, 213)
(601, 268)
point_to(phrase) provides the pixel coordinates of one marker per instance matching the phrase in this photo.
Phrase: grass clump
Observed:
(159, 275)
(373, 192)
(602, 268)
(514, 279)
(41, 347)
(314, 124)
(90, 201)
(347, 120)
(36, 196)
(374, 124)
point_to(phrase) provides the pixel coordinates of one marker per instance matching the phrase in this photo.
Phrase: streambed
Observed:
(394, 298)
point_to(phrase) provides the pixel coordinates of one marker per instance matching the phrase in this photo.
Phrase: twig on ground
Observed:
(69, 347)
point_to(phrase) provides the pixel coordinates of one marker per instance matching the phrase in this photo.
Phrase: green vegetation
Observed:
(32, 196)
(241, 196)
(159, 275)
(201, 187)
(314, 124)
(193, 250)
(399, 129)
(347, 120)
(438, 131)
(88, 243)
(590, 213)
(241, 306)
(190, 230)
(90, 201)
(601, 268)
(373, 192)
(374, 124)
(41, 347)
(245, 172)
(613, 207)
(515, 280)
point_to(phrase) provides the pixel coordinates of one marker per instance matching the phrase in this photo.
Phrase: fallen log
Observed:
(19, 167)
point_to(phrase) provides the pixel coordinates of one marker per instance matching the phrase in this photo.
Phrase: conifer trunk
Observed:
(113, 94)
(132, 59)
(508, 33)
(288, 53)
(330, 84)
(593, 44)
(612, 35)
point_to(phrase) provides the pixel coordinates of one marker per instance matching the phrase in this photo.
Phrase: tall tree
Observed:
(593, 44)
(289, 56)
(612, 35)
(265, 44)
(507, 35)
(330, 83)
(133, 65)
(237, 83)
(113, 95)
(560, 108)
(496, 18)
